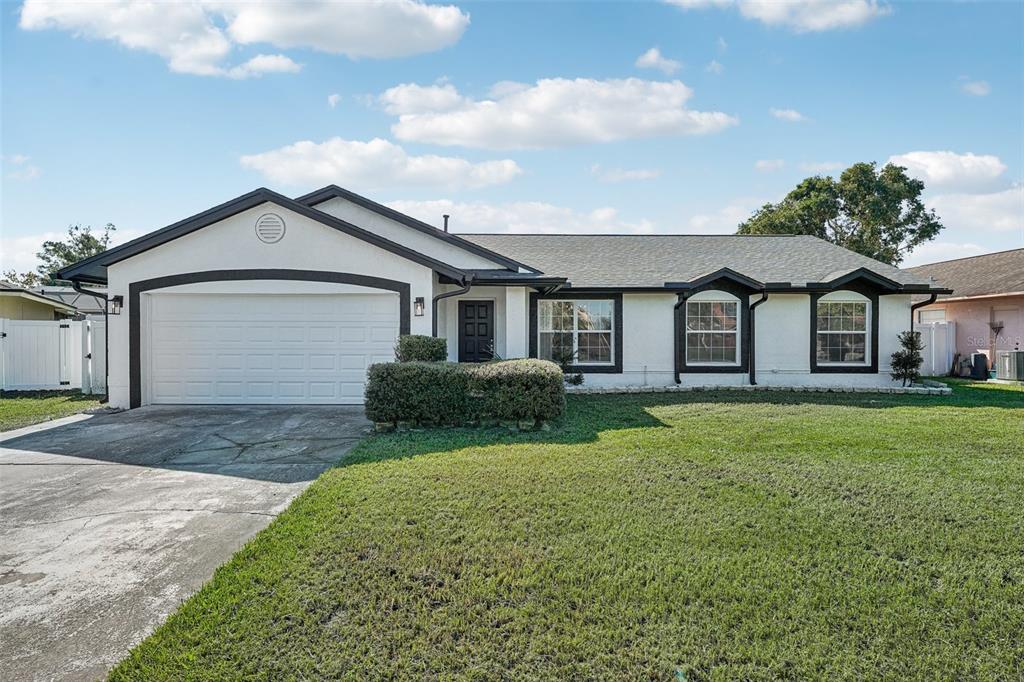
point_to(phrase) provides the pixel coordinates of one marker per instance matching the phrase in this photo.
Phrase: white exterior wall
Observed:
(403, 234)
(782, 336)
(448, 318)
(232, 244)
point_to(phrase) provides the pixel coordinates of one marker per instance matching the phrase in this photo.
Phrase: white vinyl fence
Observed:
(939, 340)
(59, 354)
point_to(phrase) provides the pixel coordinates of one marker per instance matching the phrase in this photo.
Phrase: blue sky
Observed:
(509, 116)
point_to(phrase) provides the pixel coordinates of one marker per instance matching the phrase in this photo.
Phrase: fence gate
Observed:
(41, 354)
(939, 339)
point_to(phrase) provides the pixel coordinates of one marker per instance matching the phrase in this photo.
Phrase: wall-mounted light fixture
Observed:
(115, 304)
(418, 306)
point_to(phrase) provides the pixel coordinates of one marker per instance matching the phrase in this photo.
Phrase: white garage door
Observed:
(267, 348)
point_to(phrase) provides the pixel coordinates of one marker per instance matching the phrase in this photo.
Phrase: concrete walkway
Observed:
(108, 523)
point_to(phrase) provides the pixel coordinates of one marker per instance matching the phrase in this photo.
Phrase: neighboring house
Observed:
(87, 305)
(19, 303)
(266, 299)
(987, 303)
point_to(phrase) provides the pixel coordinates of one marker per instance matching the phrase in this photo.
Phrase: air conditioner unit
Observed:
(1010, 365)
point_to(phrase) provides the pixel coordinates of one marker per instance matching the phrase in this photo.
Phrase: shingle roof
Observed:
(653, 260)
(993, 273)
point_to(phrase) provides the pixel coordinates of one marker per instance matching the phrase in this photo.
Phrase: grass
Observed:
(24, 408)
(703, 536)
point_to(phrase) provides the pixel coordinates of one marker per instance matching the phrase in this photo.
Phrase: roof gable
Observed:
(93, 269)
(320, 196)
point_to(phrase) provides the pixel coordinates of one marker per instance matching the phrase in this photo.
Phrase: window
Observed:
(712, 333)
(576, 332)
(842, 332)
(928, 316)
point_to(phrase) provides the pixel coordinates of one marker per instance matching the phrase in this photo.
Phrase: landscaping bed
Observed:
(702, 535)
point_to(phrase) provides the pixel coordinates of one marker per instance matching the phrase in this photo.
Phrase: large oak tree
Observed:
(878, 213)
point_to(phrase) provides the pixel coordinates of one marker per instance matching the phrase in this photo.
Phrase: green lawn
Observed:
(24, 408)
(701, 536)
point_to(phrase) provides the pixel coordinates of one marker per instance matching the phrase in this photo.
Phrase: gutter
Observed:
(77, 286)
(920, 304)
(467, 282)
(753, 354)
(675, 323)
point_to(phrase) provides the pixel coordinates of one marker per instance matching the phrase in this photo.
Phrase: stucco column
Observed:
(516, 322)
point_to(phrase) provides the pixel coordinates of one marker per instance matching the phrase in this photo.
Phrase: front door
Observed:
(476, 331)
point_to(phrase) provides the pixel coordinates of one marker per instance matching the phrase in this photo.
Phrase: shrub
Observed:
(906, 362)
(421, 392)
(447, 393)
(517, 390)
(418, 348)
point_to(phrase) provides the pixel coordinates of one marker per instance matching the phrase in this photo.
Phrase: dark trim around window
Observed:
(872, 368)
(741, 292)
(616, 299)
(135, 289)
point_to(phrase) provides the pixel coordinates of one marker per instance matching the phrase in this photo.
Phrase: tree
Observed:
(80, 243)
(878, 213)
(906, 362)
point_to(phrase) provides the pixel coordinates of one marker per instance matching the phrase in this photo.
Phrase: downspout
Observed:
(675, 322)
(77, 286)
(920, 304)
(467, 282)
(753, 354)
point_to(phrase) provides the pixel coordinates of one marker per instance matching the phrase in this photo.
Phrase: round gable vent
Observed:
(270, 228)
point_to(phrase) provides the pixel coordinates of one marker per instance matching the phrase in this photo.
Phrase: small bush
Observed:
(418, 348)
(517, 390)
(906, 362)
(421, 392)
(446, 393)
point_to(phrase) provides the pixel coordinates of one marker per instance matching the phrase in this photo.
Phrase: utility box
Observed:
(1010, 365)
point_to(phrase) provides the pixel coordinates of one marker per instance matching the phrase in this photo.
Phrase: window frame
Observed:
(736, 332)
(575, 332)
(617, 332)
(866, 332)
(851, 293)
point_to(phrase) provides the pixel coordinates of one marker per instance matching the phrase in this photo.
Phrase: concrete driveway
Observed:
(107, 524)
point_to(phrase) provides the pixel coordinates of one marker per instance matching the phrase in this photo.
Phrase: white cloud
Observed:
(374, 164)
(261, 64)
(722, 45)
(769, 165)
(333, 99)
(802, 16)
(197, 37)
(622, 174)
(976, 88)
(933, 252)
(521, 216)
(410, 98)
(820, 166)
(726, 219)
(554, 112)
(19, 253)
(973, 213)
(789, 115)
(715, 67)
(19, 167)
(951, 170)
(653, 59)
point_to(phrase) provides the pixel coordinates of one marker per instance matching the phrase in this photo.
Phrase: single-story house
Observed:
(987, 304)
(20, 303)
(267, 299)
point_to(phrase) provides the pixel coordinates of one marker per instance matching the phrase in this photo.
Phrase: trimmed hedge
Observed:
(420, 392)
(446, 393)
(418, 348)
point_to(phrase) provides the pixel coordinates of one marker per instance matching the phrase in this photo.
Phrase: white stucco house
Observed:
(267, 299)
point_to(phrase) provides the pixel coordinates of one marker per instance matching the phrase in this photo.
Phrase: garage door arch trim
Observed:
(136, 289)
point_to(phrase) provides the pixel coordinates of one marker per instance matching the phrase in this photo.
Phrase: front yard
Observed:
(691, 536)
(24, 408)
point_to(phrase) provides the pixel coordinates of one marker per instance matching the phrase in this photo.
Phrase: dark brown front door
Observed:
(476, 331)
